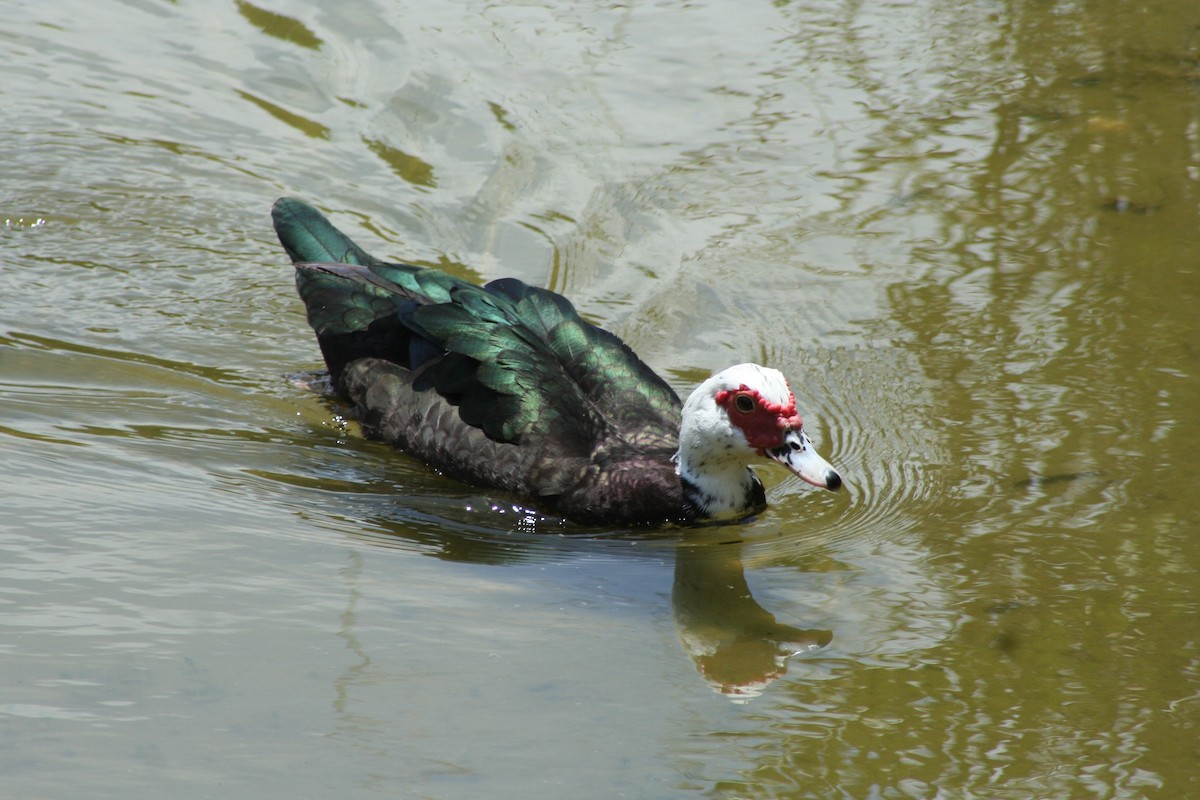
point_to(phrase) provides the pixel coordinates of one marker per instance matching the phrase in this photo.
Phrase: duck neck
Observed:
(714, 488)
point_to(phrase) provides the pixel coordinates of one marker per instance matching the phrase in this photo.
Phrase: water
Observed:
(967, 233)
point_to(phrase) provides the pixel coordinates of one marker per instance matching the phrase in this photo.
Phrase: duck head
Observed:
(735, 417)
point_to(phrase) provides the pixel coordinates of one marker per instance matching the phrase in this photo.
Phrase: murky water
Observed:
(968, 232)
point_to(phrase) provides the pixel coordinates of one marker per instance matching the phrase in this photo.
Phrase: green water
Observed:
(967, 232)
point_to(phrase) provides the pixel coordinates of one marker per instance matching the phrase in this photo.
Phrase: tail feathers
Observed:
(309, 237)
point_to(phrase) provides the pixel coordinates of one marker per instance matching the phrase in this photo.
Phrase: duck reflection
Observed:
(738, 646)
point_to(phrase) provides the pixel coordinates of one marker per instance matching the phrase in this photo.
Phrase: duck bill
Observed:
(799, 456)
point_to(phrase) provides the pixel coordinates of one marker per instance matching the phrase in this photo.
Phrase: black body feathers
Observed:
(501, 385)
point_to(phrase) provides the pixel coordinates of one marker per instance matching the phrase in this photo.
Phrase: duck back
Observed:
(502, 385)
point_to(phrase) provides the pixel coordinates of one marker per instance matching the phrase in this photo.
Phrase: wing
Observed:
(606, 375)
(516, 362)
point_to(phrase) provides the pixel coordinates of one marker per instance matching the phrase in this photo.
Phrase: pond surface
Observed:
(969, 233)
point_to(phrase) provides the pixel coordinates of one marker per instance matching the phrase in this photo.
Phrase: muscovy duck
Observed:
(505, 385)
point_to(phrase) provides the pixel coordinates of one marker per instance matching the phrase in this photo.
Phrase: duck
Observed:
(505, 386)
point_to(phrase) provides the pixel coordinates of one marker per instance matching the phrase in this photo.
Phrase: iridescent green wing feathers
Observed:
(540, 370)
(517, 361)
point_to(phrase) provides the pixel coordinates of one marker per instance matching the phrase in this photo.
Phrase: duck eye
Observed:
(744, 403)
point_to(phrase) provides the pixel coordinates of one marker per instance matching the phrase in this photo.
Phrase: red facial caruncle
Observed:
(762, 421)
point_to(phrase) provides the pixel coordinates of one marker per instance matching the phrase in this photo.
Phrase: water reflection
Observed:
(737, 645)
